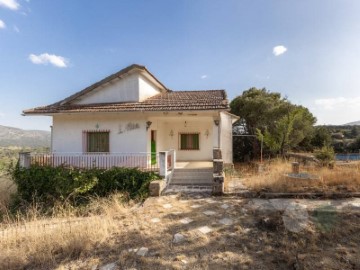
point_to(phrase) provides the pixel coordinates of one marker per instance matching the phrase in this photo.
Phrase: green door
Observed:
(153, 147)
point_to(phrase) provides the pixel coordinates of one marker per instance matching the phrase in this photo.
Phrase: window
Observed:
(96, 141)
(189, 141)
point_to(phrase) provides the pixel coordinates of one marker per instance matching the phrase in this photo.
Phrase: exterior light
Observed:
(148, 124)
(171, 134)
(216, 122)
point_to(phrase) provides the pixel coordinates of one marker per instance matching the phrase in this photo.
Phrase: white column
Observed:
(163, 163)
(24, 160)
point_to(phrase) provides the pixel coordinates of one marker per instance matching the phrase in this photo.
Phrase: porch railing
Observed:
(167, 162)
(143, 161)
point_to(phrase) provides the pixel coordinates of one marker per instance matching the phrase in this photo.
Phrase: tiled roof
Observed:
(167, 101)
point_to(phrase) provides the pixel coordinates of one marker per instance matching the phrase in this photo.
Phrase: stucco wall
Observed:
(226, 137)
(133, 87)
(193, 125)
(125, 89)
(146, 89)
(67, 132)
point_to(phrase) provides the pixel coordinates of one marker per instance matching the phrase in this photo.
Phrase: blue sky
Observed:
(51, 49)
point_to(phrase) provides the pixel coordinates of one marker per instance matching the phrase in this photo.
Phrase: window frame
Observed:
(104, 146)
(189, 134)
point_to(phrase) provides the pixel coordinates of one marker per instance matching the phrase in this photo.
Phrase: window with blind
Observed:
(97, 142)
(189, 141)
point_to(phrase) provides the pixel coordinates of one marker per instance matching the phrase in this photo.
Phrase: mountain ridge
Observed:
(355, 123)
(11, 136)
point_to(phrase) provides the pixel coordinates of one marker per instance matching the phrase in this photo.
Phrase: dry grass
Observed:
(44, 242)
(342, 178)
(38, 242)
(6, 189)
(86, 242)
(106, 229)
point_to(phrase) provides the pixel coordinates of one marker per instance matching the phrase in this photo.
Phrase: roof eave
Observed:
(50, 113)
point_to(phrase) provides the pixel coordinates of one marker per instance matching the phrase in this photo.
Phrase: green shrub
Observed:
(49, 185)
(325, 155)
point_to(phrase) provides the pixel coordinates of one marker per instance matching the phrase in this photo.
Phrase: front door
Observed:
(153, 147)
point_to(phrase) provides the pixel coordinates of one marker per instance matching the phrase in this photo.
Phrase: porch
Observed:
(177, 173)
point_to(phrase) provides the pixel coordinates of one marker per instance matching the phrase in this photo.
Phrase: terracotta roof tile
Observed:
(168, 101)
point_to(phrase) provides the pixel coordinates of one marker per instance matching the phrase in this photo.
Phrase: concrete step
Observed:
(192, 171)
(188, 188)
(192, 177)
(197, 183)
(189, 177)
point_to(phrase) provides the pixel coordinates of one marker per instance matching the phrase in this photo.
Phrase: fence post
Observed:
(24, 160)
(295, 166)
(163, 163)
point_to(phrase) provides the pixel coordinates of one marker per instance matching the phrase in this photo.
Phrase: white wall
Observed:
(226, 137)
(67, 132)
(131, 88)
(146, 89)
(195, 125)
(119, 90)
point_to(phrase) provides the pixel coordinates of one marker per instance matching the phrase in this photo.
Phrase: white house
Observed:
(131, 112)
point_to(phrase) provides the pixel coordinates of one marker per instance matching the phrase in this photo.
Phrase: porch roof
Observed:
(166, 101)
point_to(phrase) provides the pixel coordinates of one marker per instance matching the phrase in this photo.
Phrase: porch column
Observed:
(163, 163)
(173, 158)
(216, 133)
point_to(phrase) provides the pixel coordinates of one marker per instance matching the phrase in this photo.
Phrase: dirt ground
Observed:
(244, 234)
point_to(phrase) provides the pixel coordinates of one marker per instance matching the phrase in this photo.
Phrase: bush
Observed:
(326, 155)
(48, 185)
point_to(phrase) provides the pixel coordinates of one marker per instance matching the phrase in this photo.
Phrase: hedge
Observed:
(51, 184)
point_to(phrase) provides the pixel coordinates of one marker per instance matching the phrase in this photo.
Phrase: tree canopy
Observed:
(273, 118)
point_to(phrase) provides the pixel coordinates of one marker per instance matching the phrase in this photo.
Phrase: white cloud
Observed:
(336, 110)
(338, 102)
(2, 25)
(279, 50)
(45, 58)
(16, 29)
(204, 76)
(2, 115)
(11, 4)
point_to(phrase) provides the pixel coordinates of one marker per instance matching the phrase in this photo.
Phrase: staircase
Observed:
(191, 180)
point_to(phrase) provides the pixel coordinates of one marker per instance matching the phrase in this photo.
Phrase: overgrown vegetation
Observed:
(325, 155)
(344, 139)
(10, 154)
(51, 185)
(281, 125)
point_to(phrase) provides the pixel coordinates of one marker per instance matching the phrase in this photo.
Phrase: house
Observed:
(131, 113)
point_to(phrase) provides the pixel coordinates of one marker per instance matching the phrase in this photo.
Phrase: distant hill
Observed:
(10, 136)
(353, 123)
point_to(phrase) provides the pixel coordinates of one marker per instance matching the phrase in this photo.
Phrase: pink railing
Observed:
(144, 161)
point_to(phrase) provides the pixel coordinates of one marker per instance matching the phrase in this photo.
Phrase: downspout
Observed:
(51, 139)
